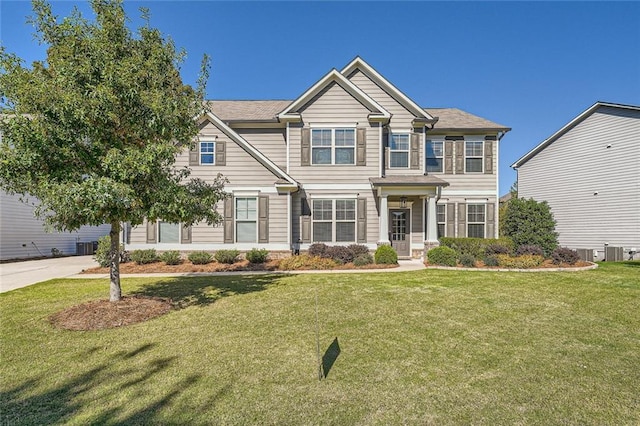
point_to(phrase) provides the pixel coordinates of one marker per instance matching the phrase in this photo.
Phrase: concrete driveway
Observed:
(21, 274)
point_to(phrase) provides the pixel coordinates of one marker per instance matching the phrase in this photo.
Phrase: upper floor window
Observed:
(434, 156)
(246, 217)
(399, 151)
(475, 220)
(441, 216)
(333, 146)
(473, 156)
(334, 220)
(207, 153)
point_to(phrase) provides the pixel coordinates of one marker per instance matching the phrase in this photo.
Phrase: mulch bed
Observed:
(103, 314)
(547, 264)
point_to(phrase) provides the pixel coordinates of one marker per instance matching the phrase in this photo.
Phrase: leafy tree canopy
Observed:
(529, 222)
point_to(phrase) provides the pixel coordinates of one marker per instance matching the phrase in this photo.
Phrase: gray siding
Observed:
(271, 142)
(569, 171)
(24, 236)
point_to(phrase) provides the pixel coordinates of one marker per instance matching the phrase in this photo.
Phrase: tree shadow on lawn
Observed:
(203, 291)
(63, 401)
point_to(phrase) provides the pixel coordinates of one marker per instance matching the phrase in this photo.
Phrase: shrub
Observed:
(468, 261)
(318, 249)
(305, 261)
(530, 222)
(363, 259)
(257, 255)
(491, 260)
(340, 254)
(358, 249)
(142, 257)
(102, 252)
(564, 255)
(496, 248)
(519, 262)
(443, 255)
(171, 257)
(529, 249)
(226, 256)
(386, 255)
(200, 257)
(475, 247)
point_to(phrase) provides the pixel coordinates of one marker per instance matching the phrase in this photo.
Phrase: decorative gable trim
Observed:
(378, 112)
(358, 63)
(250, 149)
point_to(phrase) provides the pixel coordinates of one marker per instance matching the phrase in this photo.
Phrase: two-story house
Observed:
(351, 160)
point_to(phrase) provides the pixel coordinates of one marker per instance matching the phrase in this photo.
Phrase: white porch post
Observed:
(384, 222)
(432, 222)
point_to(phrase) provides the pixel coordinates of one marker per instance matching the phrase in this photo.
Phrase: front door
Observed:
(399, 230)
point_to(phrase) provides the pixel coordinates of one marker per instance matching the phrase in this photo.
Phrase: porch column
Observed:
(384, 222)
(432, 223)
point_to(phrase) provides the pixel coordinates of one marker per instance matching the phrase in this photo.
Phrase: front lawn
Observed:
(426, 347)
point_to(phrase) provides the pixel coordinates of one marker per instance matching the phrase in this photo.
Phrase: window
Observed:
(168, 232)
(475, 220)
(441, 213)
(435, 154)
(333, 146)
(246, 215)
(334, 220)
(473, 156)
(207, 153)
(399, 151)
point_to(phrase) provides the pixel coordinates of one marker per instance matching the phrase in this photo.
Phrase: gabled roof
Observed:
(333, 76)
(250, 149)
(266, 110)
(457, 119)
(580, 118)
(393, 91)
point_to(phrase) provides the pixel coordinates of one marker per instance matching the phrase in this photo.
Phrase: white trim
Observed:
(408, 150)
(289, 224)
(333, 146)
(409, 232)
(236, 220)
(331, 196)
(433, 139)
(474, 157)
(334, 220)
(211, 246)
(496, 167)
(468, 222)
(337, 186)
(467, 192)
(476, 201)
(288, 142)
(381, 151)
(207, 140)
(248, 189)
(245, 193)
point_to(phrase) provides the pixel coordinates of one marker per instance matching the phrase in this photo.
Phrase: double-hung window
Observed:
(207, 153)
(333, 146)
(434, 156)
(399, 150)
(246, 216)
(334, 220)
(168, 232)
(473, 153)
(475, 220)
(441, 217)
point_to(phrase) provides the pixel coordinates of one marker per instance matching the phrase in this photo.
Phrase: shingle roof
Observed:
(454, 118)
(248, 110)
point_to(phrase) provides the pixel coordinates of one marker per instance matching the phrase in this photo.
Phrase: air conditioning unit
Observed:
(613, 254)
(585, 254)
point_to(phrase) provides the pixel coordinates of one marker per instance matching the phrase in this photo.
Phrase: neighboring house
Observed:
(589, 173)
(351, 160)
(22, 235)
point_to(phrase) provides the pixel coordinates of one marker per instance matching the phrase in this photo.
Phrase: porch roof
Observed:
(408, 180)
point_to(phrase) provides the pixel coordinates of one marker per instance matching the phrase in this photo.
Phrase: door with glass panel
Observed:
(399, 231)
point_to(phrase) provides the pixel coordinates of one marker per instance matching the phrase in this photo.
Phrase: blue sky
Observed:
(532, 66)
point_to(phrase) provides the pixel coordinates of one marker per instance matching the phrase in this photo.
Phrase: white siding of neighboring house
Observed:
(24, 236)
(571, 170)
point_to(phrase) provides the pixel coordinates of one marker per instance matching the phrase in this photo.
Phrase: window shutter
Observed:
(385, 148)
(221, 153)
(448, 157)
(305, 147)
(462, 220)
(151, 232)
(491, 220)
(451, 220)
(263, 219)
(305, 221)
(414, 155)
(488, 157)
(362, 220)
(361, 147)
(459, 157)
(228, 220)
(194, 155)
(186, 235)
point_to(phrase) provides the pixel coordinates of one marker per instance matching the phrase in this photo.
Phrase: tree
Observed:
(528, 222)
(93, 131)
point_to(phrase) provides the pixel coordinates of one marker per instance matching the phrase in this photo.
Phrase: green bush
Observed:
(475, 247)
(491, 260)
(102, 252)
(171, 257)
(142, 257)
(468, 261)
(443, 255)
(386, 255)
(363, 259)
(226, 256)
(305, 261)
(496, 248)
(564, 255)
(529, 249)
(200, 257)
(519, 262)
(257, 255)
(530, 222)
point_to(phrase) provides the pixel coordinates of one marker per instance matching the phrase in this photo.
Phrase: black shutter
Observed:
(414, 155)
(221, 153)
(186, 235)
(459, 157)
(361, 147)
(305, 221)
(194, 155)
(462, 220)
(451, 220)
(490, 220)
(448, 157)
(263, 219)
(362, 220)
(488, 157)
(151, 232)
(228, 220)
(305, 147)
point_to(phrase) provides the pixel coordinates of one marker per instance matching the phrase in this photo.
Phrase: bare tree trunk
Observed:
(115, 292)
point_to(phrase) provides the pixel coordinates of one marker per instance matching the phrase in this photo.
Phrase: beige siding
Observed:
(569, 172)
(334, 103)
(270, 142)
(417, 222)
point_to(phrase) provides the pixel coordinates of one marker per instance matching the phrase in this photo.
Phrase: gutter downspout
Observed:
(496, 231)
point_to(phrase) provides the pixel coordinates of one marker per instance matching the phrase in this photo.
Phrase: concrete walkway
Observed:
(21, 274)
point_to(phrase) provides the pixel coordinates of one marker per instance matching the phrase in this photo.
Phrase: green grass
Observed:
(428, 347)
